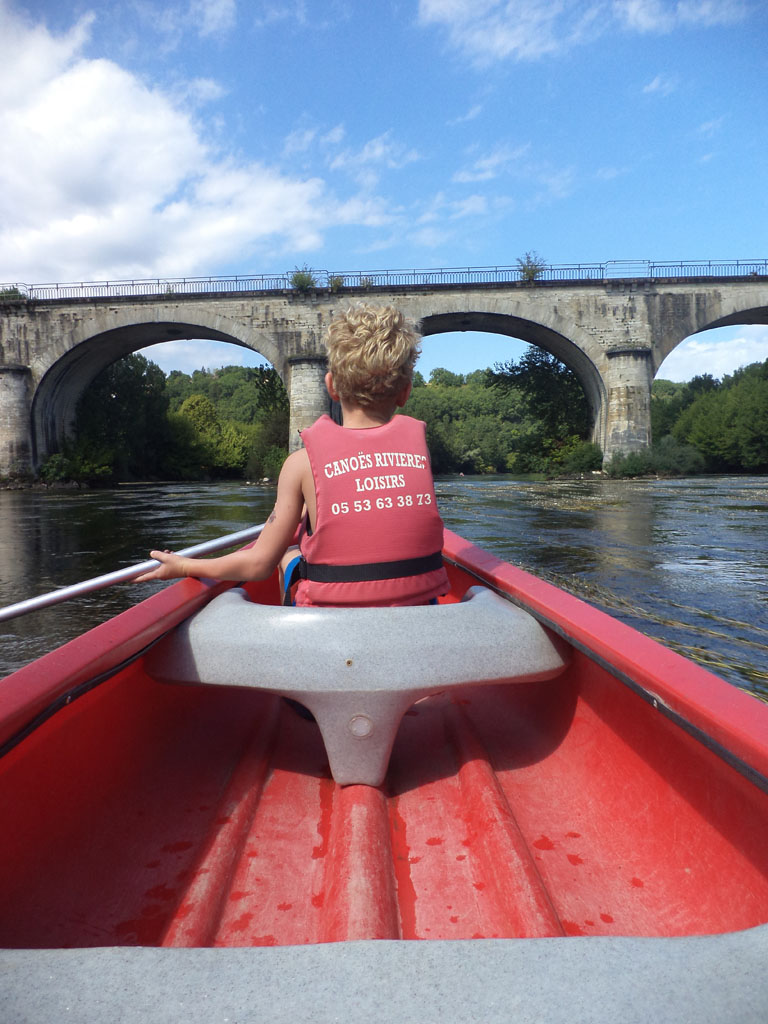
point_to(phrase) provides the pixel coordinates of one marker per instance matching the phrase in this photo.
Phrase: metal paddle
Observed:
(32, 604)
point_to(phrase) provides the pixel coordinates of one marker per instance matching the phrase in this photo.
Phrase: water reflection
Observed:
(50, 539)
(683, 561)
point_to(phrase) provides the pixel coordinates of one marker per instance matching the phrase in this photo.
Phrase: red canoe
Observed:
(570, 818)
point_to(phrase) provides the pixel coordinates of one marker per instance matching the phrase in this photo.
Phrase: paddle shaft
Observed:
(32, 604)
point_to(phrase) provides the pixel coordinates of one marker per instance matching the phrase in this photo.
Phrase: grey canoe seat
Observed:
(358, 670)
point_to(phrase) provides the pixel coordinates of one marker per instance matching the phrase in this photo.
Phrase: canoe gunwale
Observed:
(696, 732)
(36, 690)
(64, 700)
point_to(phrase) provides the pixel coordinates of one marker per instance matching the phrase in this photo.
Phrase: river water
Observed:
(685, 561)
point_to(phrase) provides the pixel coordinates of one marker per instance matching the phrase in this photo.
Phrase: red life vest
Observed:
(378, 535)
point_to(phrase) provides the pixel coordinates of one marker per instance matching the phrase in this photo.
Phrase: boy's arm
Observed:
(259, 561)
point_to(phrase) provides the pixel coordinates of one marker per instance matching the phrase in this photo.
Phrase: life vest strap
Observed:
(319, 572)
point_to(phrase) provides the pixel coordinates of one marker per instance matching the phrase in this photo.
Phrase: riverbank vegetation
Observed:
(529, 416)
(705, 425)
(135, 424)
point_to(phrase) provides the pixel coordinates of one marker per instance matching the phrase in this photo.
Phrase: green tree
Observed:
(134, 423)
(728, 421)
(667, 398)
(550, 390)
(121, 420)
(470, 429)
(222, 447)
(445, 378)
(670, 399)
(201, 413)
(752, 418)
(178, 387)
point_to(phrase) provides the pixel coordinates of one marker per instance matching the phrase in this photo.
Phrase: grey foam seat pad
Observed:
(235, 642)
(358, 670)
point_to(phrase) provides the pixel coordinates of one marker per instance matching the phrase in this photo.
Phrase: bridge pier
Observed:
(307, 393)
(628, 415)
(15, 429)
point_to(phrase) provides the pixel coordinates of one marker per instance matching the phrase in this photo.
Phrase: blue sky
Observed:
(142, 139)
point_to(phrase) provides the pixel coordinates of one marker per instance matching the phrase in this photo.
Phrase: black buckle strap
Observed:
(321, 573)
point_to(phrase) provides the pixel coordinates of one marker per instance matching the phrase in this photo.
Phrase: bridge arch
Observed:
(575, 358)
(55, 398)
(687, 318)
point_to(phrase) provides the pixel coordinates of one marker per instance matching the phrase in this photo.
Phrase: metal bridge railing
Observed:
(711, 268)
(338, 280)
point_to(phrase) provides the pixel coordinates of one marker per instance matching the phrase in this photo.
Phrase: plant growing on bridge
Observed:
(531, 266)
(303, 279)
(336, 283)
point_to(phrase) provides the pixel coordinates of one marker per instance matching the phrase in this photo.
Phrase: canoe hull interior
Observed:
(150, 814)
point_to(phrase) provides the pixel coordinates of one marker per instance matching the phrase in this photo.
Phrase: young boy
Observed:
(363, 492)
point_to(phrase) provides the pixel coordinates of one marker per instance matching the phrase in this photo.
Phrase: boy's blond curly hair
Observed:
(371, 353)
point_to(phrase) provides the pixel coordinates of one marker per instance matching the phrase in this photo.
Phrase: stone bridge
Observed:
(613, 333)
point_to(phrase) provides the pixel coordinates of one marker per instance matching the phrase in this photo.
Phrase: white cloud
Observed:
(111, 178)
(489, 30)
(491, 165)
(717, 352)
(493, 30)
(299, 141)
(30, 57)
(430, 237)
(537, 181)
(662, 16)
(472, 206)
(470, 115)
(201, 90)
(272, 13)
(556, 184)
(711, 128)
(90, 137)
(378, 153)
(440, 206)
(645, 15)
(334, 136)
(212, 17)
(662, 85)
(305, 137)
(610, 173)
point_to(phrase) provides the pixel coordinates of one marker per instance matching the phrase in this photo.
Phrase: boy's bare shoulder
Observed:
(297, 463)
(296, 472)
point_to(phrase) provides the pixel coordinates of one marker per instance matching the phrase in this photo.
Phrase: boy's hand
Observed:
(171, 567)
